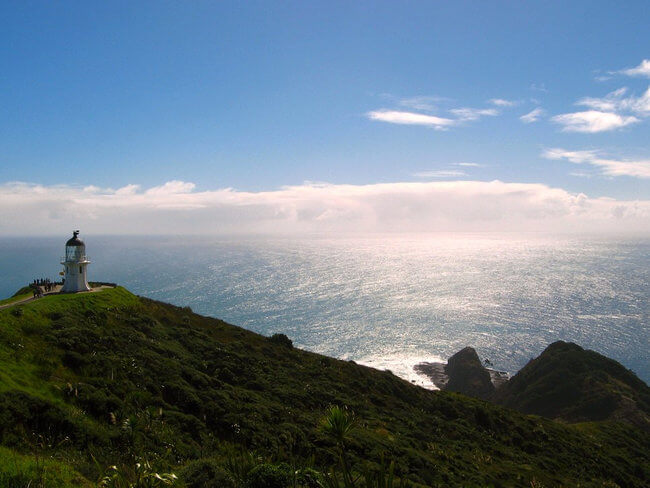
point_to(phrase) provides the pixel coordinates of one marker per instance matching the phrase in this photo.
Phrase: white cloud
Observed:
(428, 103)
(428, 113)
(593, 121)
(607, 166)
(533, 116)
(470, 114)
(473, 165)
(442, 173)
(642, 70)
(616, 102)
(639, 105)
(29, 209)
(613, 111)
(169, 188)
(128, 190)
(411, 118)
(439, 123)
(609, 103)
(500, 102)
(580, 174)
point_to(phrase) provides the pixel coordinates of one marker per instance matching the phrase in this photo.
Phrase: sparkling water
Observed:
(387, 301)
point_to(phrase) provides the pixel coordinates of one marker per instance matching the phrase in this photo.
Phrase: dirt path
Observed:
(18, 302)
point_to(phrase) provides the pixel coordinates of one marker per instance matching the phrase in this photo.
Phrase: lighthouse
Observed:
(75, 263)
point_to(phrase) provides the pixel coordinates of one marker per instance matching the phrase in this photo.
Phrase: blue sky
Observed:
(192, 98)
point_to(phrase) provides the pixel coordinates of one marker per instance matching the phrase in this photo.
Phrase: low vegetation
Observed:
(154, 393)
(569, 383)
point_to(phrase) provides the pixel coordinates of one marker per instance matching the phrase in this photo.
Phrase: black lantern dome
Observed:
(74, 240)
(75, 249)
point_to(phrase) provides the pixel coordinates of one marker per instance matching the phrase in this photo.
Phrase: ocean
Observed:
(386, 301)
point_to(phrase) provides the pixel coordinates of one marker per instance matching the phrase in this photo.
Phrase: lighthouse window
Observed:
(79, 269)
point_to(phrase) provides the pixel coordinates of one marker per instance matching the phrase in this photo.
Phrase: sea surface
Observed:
(386, 301)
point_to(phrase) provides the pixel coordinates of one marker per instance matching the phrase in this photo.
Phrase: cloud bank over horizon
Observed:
(437, 206)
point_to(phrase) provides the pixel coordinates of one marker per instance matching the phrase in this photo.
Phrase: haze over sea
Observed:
(387, 301)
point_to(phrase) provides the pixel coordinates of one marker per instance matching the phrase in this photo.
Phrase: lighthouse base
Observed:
(75, 278)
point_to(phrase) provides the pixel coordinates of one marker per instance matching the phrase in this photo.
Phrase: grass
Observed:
(22, 471)
(109, 378)
(16, 298)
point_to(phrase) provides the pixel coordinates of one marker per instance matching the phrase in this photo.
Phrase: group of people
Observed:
(41, 286)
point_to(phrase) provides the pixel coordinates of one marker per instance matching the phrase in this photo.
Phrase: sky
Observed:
(324, 117)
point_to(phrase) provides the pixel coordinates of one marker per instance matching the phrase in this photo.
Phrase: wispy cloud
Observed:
(428, 206)
(428, 113)
(616, 101)
(471, 114)
(615, 110)
(427, 103)
(472, 165)
(643, 69)
(500, 102)
(607, 166)
(533, 116)
(580, 174)
(539, 87)
(602, 78)
(411, 118)
(442, 173)
(610, 102)
(592, 121)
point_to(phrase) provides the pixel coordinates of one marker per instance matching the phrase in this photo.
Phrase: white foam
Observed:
(402, 365)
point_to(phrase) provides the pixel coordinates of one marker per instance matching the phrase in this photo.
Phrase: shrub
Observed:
(23, 416)
(143, 477)
(309, 478)
(269, 476)
(205, 473)
(74, 360)
(282, 340)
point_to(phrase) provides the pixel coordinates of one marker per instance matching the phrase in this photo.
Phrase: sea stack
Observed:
(467, 375)
(75, 263)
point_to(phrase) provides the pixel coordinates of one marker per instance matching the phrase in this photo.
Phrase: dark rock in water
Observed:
(499, 378)
(435, 372)
(467, 375)
(438, 376)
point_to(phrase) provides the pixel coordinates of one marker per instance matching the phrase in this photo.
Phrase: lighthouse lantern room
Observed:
(75, 263)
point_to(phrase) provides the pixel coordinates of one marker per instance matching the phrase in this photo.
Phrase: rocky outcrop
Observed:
(464, 374)
(467, 375)
(569, 383)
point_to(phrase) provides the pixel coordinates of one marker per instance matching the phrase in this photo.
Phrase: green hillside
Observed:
(570, 383)
(108, 378)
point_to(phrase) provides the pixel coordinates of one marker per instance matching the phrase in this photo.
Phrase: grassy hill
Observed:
(109, 378)
(575, 385)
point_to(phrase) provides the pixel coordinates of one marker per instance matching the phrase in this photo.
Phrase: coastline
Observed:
(435, 372)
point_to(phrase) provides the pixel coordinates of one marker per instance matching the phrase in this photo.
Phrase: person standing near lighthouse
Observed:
(75, 263)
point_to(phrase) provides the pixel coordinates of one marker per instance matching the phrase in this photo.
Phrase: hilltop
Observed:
(98, 379)
(569, 383)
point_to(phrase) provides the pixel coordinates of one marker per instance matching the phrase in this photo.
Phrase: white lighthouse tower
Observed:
(75, 262)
